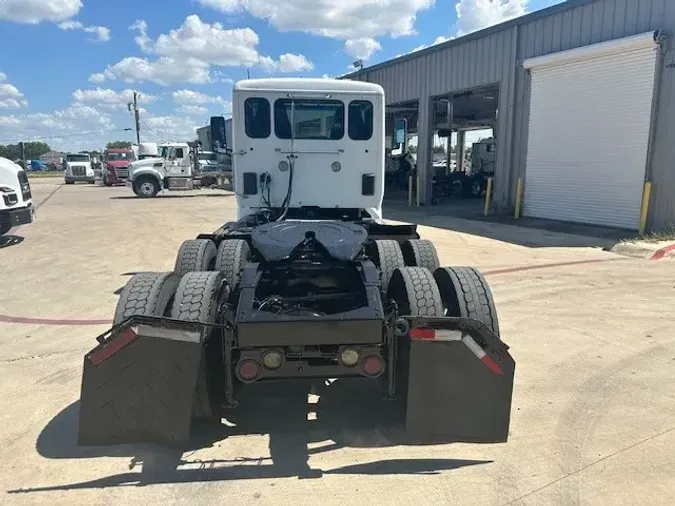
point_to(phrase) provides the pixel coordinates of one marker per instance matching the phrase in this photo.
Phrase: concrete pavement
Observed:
(591, 333)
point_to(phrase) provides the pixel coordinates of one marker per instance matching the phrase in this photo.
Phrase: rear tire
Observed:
(146, 294)
(466, 294)
(195, 255)
(197, 300)
(232, 257)
(387, 256)
(420, 253)
(415, 292)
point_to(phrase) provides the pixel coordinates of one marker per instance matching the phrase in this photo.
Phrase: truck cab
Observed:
(78, 168)
(16, 200)
(116, 165)
(308, 143)
(173, 170)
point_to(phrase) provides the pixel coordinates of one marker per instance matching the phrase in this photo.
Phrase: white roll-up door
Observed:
(590, 117)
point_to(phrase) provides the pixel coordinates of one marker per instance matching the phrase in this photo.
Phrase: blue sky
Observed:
(67, 67)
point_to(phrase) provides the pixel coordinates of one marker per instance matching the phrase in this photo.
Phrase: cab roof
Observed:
(309, 84)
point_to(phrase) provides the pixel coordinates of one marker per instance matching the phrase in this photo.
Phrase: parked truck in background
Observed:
(174, 170)
(116, 165)
(147, 150)
(16, 200)
(78, 168)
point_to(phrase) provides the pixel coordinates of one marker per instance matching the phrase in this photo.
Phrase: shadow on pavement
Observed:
(467, 217)
(7, 241)
(347, 415)
(189, 196)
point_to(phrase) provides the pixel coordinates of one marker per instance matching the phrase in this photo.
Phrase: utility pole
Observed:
(134, 106)
(22, 147)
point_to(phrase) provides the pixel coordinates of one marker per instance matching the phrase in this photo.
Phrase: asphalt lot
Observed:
(591, 333)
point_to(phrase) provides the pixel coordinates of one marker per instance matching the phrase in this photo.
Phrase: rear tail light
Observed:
(373, 366)
(248, 370)
(273, 359)
(349, 357)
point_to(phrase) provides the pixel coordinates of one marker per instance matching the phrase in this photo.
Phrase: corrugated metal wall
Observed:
(496, 57)
(599, 21)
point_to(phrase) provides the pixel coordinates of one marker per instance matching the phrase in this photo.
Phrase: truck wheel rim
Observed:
(147, 188)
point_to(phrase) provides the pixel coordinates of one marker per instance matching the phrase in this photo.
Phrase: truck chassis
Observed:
(321, 294)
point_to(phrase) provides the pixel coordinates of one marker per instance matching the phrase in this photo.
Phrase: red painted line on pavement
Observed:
(85, 322)
(662, 252)
(548, 266)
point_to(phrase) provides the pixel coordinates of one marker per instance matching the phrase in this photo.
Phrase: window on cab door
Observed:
(360, 120)
(257, 118)
(309, 119)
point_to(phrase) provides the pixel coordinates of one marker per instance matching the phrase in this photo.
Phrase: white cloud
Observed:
(102, 33)
(37, 11)
(439, 40)
(162, 71)
(347, 19)
(142, 39)
(111, 98)
(363, 48)
(196, 97)
(10, 96)
(288, 62)
(474, 15)
(187, 53)
(77, 123)
(194, 110)
(163, 128)
(98, 77)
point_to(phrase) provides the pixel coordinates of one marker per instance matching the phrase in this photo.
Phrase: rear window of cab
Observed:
(311, 119)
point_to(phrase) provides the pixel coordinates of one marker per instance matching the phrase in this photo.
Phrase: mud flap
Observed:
(453, 394)
(139, 386)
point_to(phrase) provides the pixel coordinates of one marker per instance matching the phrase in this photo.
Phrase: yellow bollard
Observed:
(644, 211)
(488, 196)
(410, 191)
(519, 198)
(418, 191)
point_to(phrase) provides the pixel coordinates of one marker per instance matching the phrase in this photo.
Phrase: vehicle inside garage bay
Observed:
(579, 98)
(463, 148)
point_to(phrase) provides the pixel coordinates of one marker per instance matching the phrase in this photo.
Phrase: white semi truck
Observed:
(308, 288)
(182, 166)
(78, 168)
(16, 200)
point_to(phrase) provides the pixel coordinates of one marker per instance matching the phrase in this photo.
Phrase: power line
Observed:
(65, 136)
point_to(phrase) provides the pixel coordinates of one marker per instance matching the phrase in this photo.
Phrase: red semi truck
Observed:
(116, 165)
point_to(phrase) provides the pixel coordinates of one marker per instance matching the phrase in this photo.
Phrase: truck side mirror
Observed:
(218, 135)
(400, 134)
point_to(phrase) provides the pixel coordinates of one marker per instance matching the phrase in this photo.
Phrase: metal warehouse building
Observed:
(581, 97)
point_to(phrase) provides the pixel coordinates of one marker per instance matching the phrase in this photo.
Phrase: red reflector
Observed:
(373, 366)
(422, 334)
(249, 370)
(121, 340)
(492, 365)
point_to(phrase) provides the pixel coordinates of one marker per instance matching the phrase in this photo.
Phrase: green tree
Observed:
(118, 145)
(33, 150)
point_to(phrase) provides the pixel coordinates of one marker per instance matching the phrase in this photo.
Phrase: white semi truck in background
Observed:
(178, 166)
(16, 200)
(78, 168)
